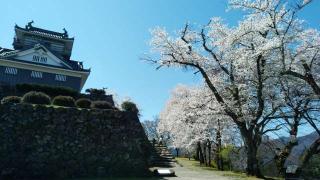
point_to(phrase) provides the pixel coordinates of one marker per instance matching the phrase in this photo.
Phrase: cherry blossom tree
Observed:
(195, 122)
(298, 103)
(150, 128)
(240, 65)
(298, 52)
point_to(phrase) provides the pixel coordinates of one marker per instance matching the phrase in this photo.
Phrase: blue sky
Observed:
(112, 35)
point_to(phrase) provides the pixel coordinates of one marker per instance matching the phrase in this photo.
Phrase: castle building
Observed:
(41, 56)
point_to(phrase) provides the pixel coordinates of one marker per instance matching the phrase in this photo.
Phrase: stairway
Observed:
(161, 157)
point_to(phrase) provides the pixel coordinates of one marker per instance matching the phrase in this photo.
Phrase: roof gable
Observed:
(39, 55)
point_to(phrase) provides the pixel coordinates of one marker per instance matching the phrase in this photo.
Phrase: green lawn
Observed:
(195, 165)
(141, 178)
(191, 165)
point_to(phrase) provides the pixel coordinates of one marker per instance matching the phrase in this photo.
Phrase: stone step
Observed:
(163, 160)
(160, 150)
(160, 147)
(164, 148)
(165, 157)
(164, 153)
(159, 164)
(162, 157)
(161, 153)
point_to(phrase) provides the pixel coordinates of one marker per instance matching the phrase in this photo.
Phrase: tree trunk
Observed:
(199, 153)
(251, 144)
(177, 152)
(202, 154)
(205, 154)
(286, 151)
(252, 163)
(209, 152)
(219, 148)
(253, 168)
(282, 157)
(218, 157)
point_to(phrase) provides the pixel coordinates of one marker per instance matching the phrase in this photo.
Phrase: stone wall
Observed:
(41, 142)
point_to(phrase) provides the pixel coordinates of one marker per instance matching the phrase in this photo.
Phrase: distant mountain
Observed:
(304, 142)
(267, 152)
(268, 149)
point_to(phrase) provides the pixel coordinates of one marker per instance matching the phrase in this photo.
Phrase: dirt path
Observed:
(189, 174)
(186, 170)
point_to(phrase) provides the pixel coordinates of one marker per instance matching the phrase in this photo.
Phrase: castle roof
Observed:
(10, 54)
(43, 32)
(58, 43)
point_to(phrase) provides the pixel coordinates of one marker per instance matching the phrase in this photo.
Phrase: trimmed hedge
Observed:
(66, 101)
(52, 91)
(83, 103)
(34, 97)
(97, 92)
(11, 100)
(129, 106)
(101, 105)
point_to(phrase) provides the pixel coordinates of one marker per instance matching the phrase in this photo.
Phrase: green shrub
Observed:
(97, 92)
(83, 103)
(226, 153)
(34, 97)
(11, 100)
(52, 91)
(101, 105)
(66, 101)
(129, 106)
(312, 170)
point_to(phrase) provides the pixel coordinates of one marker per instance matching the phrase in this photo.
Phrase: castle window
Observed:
(60, 77)
(39, 59)
(36, 74)
(11, 70)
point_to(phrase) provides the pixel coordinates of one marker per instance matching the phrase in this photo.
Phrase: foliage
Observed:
(188, 120)
(129, 106)
(101, 105)
(225, 154)
(66, 101)
(150, 128)
(312, 169)
(34, 97)
(52, 91)
(83, 103)
(97, 92)
(11, 100)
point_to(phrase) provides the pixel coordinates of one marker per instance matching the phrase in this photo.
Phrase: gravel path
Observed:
(187, 173)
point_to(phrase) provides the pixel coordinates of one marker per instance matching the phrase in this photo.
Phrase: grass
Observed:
(124, 178)
(191, 165)
(195, 166)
